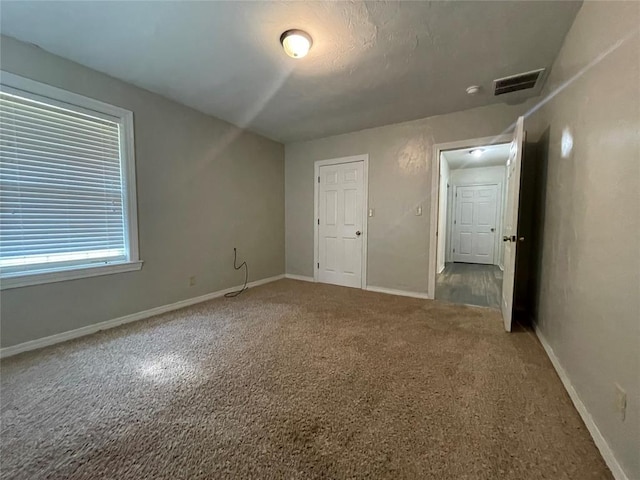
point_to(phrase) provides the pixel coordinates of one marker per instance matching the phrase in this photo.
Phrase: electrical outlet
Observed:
(192, 280)
(621, 402)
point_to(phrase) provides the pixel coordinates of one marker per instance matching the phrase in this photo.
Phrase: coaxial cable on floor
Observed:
(246, 275)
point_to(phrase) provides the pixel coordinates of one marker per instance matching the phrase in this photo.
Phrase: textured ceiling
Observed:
(372, 63)
(492, 155)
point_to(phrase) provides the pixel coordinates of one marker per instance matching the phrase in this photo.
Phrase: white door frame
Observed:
(435, 190)
(365, 209)
(498, 222)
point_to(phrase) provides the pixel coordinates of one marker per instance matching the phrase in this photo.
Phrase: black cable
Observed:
(246, 275)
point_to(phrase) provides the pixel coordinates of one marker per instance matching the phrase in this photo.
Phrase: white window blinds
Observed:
(61, 189)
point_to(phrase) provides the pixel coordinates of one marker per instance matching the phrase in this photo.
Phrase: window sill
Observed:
(37, 278)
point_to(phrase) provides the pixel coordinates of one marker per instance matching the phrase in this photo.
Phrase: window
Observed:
(67, 185)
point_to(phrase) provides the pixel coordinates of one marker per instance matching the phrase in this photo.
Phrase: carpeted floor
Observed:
(295, 380)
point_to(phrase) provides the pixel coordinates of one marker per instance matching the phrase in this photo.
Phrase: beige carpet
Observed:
(295, 380)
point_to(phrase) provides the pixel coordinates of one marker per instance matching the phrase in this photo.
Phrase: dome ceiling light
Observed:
(296, 43)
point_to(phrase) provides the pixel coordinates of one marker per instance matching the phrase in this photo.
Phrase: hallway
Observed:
(470, 284)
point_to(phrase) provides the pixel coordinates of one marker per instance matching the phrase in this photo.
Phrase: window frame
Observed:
(34, 90)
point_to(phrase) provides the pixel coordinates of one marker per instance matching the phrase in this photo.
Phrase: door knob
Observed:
(506, 239)
(493, 229)
(358, 233)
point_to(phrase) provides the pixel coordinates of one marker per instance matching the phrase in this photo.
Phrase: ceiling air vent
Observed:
(514, 83)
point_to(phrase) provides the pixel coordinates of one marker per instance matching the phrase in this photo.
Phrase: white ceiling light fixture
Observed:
(473, 90)
(296, 43)
(476, 152)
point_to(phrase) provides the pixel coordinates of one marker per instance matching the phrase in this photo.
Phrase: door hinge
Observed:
(318, 221)
(318, 179)
(318, 264)
(454, 250)
(454, 222)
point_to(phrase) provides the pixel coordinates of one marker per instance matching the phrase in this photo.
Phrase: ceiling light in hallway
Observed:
(476, 152)
(473, 90)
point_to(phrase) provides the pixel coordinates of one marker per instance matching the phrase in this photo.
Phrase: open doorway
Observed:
(470, 250)
(511, 232)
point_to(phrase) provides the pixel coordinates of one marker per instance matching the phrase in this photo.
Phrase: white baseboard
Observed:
(302, 278)
(601, 443)
(89, 329)
(402, 293)
(390, 291)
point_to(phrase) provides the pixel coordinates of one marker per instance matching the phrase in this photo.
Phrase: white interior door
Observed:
(340, 224)
(510, 236)
(476, 211)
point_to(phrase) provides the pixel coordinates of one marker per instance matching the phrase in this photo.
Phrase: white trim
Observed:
(599, 440)
(84, 271)
(365, 207)
(57, 95)
(435, 188)
(402, 293)
(302, 278)
(89, 329)
(128, 173)
(124, 118)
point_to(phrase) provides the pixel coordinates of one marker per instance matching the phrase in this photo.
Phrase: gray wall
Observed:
(589, 289)
(204, 187)
(400, 167)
